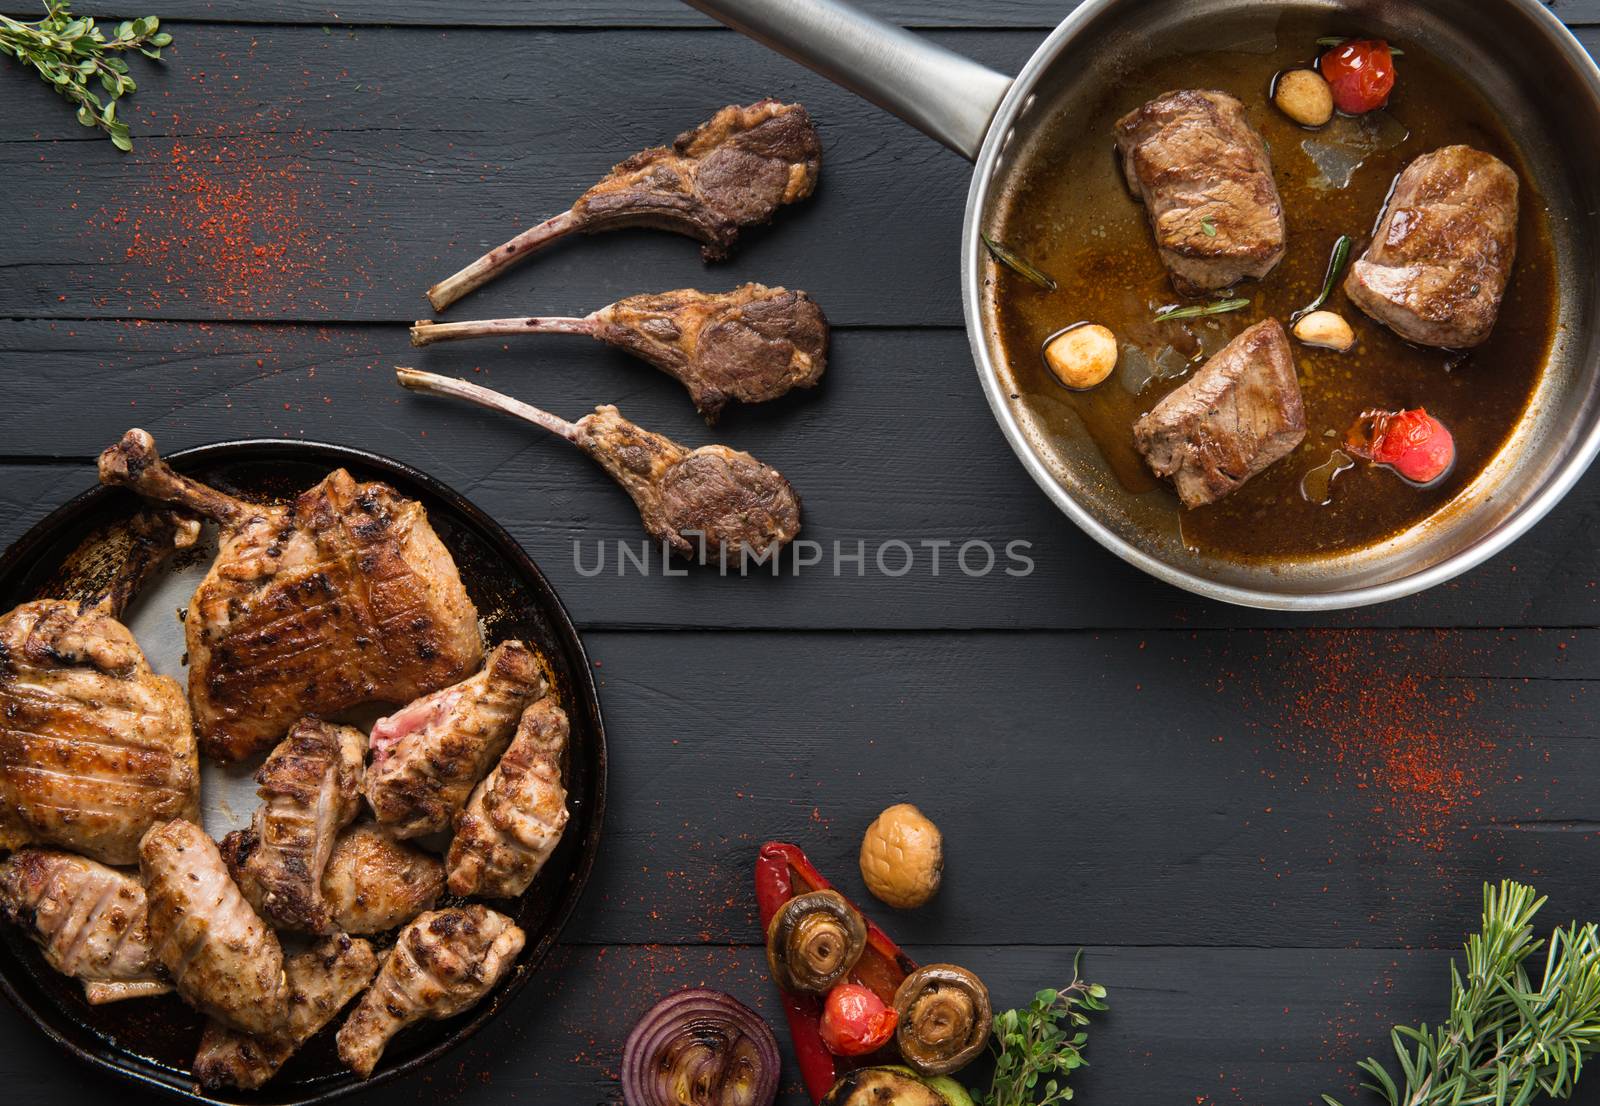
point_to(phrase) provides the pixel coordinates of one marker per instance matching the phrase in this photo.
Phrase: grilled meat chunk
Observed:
(374, 883)
(516, 816)
(321, 981)
(427, 756)
(223, 959)
(1441, 256)
(441, 965)
(310, 790)
(90, 921)
(1239, 413)
(1205, 177)
(344, 596)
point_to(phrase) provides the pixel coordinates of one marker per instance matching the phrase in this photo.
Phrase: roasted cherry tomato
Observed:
(1413, 443)
(855, 1021)
(1361, 75)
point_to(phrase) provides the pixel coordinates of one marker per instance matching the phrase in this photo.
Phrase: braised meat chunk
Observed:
(1205, 177)
(1442, 253)
(1238, 414)
(374, 883)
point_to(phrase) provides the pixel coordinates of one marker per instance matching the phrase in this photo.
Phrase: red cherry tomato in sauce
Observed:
(1413, 443)
(855, 1021)
(1361, 75)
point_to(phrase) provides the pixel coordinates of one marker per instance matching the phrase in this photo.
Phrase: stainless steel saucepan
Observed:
(1515, 51)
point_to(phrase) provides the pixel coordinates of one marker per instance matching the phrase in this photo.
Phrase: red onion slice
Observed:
(700, 1048)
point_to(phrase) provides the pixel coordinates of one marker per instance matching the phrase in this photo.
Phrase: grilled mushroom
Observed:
(944, 1018)
(814, 941)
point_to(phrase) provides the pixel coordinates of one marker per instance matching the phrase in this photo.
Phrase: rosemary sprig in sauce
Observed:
(1336, 264)
(1200, 310)
(1018, 264)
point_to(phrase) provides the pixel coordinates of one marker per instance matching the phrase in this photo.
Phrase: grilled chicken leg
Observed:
(516, 816)
(223, 959)
(374, 883)
(95, 748)
(441, 965)
(90, 921)
(310, 790)
(427, 756)
(344, 596)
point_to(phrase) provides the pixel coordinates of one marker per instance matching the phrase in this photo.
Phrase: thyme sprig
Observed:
(1506, 1040)
(73, 55)
(1039, 1046)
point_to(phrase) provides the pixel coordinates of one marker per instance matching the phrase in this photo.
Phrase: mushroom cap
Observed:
(945, 1018)
(814, 941)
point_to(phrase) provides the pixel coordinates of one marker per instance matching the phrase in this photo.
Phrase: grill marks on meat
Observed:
(344, 596)
(95, 748)
(310, 788)
(224, 960)
(427, 756)
(1239, 413)
(374, 883)
(1205, 177)
(516, 816)
(321, 981)
(441, 965)
(1442, 253)
(89, 920)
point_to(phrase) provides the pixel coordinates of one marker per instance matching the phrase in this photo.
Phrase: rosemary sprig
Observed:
(1018, 264)
(1505, 1041)
(1039, 1046)
(1336, 264)
(1200, 310)
(73, 54)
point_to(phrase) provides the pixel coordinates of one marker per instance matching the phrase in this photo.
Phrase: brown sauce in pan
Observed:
(1074, 217)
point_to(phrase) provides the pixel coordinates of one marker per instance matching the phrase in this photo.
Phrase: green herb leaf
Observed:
(1209, 227)
(1336, 264)
(1018, 264)
(1033, 1053)
(1200, 310)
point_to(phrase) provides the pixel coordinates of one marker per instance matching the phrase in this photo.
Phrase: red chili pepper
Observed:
(782, 872)
(855, 1021)
(1360, 74)
(1413, 443)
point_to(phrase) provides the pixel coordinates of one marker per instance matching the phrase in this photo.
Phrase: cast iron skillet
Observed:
(152, 1041)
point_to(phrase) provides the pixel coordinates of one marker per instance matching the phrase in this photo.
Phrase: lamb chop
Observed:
(374, 883)
(725, 500)
(427, 756)
(310, 790)
(751, 344)
(733, 171)
(516, 816)
(90, 920)
(441, 965)
(95, 748)
(223, 959)
(344, 596)
(321, 981)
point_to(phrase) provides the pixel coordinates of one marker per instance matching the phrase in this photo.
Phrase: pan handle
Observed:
(942, 94)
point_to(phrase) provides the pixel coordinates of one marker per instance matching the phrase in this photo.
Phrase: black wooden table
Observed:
(1269, 833)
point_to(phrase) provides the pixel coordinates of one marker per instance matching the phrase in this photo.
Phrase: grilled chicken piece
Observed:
(344, 596)
(733, 171)
(752, 344)
(310, 790)
(1441, 256)
(1239, 413)
(90, 921)
(1205, 177)
(715, 502)
(95, 748)
(321, 981)
(441, 965)
(427, 756)
(374, 883)
(516, 816)
(223, 959)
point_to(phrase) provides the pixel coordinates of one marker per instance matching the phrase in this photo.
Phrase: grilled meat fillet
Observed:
(1441, 256)
(1205, 177)
(95, 748)
(344, 596)
(441, 965)
(90, 921)
(427, 756)
(374, 883)
(221, 956)
(516, 816)
(321, 981)
(310, 790)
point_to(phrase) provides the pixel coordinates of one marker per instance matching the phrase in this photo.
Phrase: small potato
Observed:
(902, 857)
(1082, 356)
(1305, 97)
(1326, 329)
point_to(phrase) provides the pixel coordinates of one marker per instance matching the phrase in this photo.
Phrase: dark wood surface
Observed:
(1259, 871)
